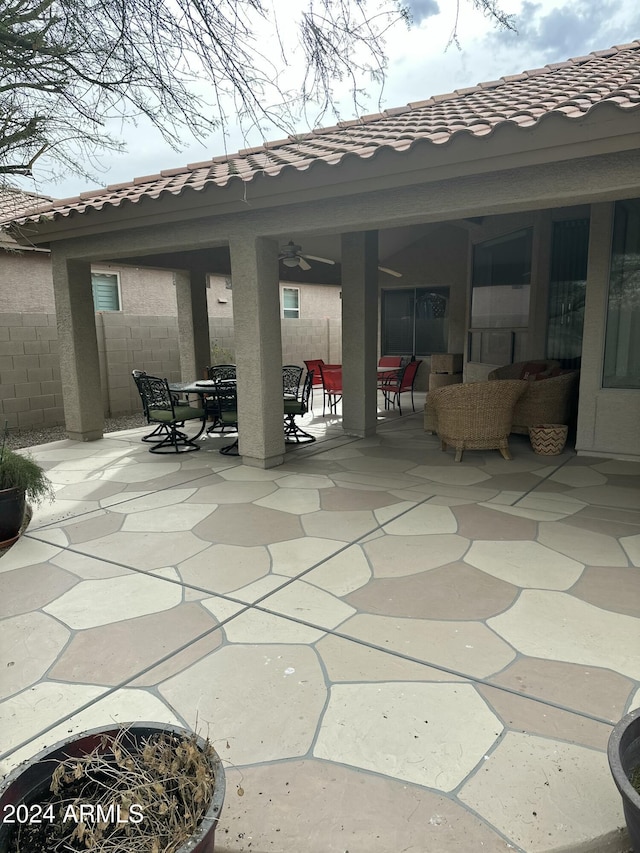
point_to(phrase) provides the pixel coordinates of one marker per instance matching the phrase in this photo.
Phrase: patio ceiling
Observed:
(216, 260)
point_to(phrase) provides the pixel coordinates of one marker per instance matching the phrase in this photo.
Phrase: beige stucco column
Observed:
(193, 323)
(258, 347)
(78, 345)
(359, 331)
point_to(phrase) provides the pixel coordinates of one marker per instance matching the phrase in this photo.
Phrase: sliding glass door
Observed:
(415, 321)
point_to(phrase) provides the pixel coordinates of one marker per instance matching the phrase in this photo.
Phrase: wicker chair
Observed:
(546, 401)
(518, 368)
(476, 416)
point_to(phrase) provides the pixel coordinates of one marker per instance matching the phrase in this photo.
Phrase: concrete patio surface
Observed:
(390, 651)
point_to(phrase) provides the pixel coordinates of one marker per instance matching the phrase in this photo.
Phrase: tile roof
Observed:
(16, 202)
(571, 88)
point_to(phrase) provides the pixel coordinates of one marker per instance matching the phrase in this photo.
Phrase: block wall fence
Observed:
(30, 384)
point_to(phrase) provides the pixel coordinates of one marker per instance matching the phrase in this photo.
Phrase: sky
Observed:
(421, 63)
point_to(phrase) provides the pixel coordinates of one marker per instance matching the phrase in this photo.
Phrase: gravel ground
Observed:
(42, 435)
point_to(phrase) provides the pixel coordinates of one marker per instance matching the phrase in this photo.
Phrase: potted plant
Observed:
(21, 479)
(137, 786)
(624, 761)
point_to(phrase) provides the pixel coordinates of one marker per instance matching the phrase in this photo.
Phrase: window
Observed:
(567, 290)
(622, 340)
(291, 303)
(415, 321)
(106, 291)
(500, 286)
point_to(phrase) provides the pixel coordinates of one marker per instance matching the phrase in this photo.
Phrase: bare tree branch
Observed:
(69, 67)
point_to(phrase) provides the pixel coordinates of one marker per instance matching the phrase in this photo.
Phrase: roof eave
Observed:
(605, 129)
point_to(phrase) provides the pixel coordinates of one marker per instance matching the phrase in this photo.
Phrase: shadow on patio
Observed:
(390, 651)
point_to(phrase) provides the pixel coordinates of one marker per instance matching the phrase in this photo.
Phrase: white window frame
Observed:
(118, 286)
(297, 291)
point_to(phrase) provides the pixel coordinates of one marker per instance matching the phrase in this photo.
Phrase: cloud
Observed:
(422, 9)
(571, 29)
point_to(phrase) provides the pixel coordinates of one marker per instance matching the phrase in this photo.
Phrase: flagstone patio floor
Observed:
(390, 651)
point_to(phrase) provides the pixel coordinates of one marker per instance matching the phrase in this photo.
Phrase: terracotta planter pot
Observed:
(29, 782)
(624, 757)
(12, 502)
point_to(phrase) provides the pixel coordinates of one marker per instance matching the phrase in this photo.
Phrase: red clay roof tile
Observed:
(570, 88)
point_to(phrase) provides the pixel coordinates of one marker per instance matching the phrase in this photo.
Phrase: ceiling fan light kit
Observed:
(292, 256)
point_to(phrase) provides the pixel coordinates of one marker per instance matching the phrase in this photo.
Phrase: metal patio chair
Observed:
(313, 365)
(161, 408)
(291, 376)
(294, 408)
(225, 397)
(161, 429)
(395, 384)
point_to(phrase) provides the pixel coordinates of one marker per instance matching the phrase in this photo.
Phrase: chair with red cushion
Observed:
(313, 366)
(388, 361)
(331, 385)
(399, 383)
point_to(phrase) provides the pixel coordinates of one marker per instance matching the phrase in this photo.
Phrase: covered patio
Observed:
(388, 650)
(426, 189)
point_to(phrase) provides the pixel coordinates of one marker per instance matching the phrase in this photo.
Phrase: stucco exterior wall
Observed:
(25, 282)
(317, 301)
(26, 286)
(144, 291)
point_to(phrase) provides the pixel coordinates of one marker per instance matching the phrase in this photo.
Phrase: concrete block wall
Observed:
(30, 387)
(129, 342)
(301, 339)
(306, 339)
(221, 337)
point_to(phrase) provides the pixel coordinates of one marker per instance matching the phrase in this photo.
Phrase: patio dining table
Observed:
(197, 386)
(204, 387)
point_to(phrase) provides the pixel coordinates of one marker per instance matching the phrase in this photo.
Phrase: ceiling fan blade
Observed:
(303, 264)
(390, 272)
(322, 260)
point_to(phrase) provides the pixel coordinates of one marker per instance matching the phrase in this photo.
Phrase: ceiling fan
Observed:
(292, 256)
(390, 272)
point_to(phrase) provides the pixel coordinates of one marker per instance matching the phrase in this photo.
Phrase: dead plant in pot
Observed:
(139, 788)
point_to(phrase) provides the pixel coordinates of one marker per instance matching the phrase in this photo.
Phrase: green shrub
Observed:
(19, 471)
